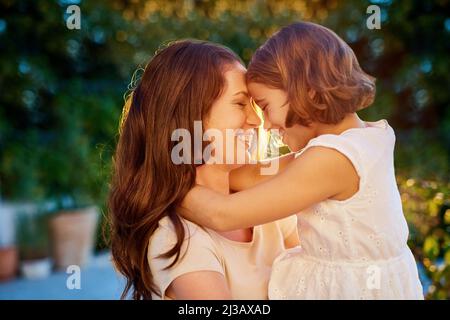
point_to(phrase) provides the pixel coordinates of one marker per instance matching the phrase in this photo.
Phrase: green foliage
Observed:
(59, 108)
(427, 208)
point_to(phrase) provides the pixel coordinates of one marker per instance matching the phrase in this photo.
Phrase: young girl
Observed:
(341, 181)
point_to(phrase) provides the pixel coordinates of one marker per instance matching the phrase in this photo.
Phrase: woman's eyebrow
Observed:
(241, 92)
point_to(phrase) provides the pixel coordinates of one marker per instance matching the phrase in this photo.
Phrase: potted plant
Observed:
(8, 249)
(72, 233)
(72, 180)
(33, 243)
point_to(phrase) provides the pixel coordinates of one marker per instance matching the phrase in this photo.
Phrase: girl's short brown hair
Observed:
(317, 69)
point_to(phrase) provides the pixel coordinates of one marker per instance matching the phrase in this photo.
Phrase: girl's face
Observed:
(274, 103)
(233, 110)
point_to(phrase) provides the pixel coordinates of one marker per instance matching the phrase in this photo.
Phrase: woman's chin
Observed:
(240, 159)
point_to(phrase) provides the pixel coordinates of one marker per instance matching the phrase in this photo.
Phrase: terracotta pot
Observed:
(8, 263)
(72, 235)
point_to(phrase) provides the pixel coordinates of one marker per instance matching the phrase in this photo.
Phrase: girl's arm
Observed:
(316, 175)
(251, 174)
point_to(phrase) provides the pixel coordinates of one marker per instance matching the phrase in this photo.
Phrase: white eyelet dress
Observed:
(356, 248)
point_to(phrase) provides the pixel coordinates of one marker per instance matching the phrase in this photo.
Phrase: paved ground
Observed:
(98, 281)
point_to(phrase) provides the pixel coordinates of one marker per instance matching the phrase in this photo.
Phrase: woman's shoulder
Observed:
(168, 225)
(166, 235)
(196, 253)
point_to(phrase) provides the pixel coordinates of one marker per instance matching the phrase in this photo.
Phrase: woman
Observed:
(161, 254)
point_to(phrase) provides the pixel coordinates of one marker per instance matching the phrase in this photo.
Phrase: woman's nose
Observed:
(253, 119)
(267, 123)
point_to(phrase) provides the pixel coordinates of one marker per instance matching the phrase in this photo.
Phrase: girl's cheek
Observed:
(276, 118)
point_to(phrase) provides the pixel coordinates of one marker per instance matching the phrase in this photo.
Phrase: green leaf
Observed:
(431, 247)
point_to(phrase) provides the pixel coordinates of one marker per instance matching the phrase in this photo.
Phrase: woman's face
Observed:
(274, 103)
(233, 110)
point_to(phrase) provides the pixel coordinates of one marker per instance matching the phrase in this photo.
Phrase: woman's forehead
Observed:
(235, 80)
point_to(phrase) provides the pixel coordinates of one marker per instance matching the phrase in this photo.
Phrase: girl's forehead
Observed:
(256, 88)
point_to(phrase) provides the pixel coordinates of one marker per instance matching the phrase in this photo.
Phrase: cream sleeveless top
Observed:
(356, 248)
(246, 266)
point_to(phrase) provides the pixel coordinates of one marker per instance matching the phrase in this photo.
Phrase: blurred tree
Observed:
(62, 89)
(59, 104)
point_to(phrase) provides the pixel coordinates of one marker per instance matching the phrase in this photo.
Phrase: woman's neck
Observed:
(216, 177)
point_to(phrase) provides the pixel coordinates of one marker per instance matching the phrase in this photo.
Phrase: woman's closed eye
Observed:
(242, 104)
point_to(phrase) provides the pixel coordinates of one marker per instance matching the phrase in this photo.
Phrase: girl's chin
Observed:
(294, 147)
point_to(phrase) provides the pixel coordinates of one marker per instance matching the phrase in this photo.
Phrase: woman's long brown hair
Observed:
(178, 87)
